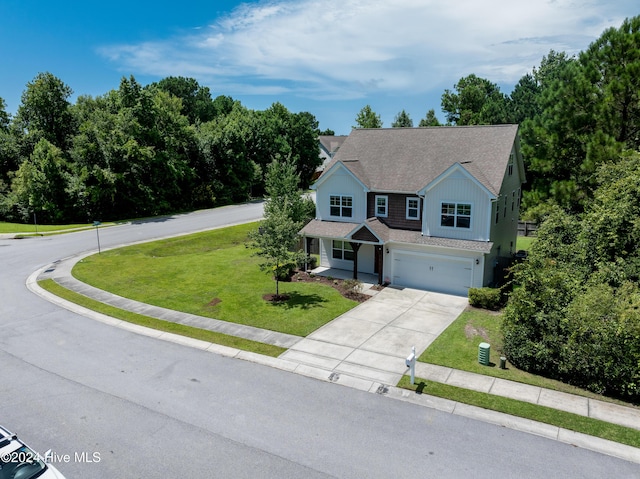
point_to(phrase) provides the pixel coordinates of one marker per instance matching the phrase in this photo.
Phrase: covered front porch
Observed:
(346, 246)
(367, 280)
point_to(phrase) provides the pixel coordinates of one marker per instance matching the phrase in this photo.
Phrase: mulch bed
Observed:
(338, 284)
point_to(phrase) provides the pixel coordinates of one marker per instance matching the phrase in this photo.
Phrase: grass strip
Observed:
(513, 407)
(30, 229)
(160, 325)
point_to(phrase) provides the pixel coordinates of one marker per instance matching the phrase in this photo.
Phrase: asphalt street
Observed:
(121, 405)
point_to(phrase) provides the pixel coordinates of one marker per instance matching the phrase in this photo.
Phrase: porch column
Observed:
(380, 262)
(307, 252)
(355, 247)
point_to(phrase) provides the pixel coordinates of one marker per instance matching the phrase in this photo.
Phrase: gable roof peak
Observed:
(408, 159)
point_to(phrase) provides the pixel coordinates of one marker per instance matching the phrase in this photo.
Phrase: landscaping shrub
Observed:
(284, 271)
(354, 285)
(486, 298)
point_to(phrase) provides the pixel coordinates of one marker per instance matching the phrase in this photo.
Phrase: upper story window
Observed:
(341, 205)
(456, 215)
(382, 205)
(413, 208)
(510, 165)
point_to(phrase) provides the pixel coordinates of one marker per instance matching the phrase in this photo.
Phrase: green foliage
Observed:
(276, 239)
(44, 111)
(4, 116)
(486, 298)
(143, 150)
(367, 118)
(196, 100)
(353, 285)
(40, 183)
(430, 119)
(587, 110)
(475, 101)
(402, 120)
(574, 312)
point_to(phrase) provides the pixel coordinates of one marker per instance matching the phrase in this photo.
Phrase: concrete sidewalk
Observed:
(582, 406)
(365, 349)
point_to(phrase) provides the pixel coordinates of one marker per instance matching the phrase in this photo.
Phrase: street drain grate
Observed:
(49, 270)
(382, 389)
(333, 377)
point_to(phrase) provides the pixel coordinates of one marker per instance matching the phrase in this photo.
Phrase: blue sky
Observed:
(327, 57)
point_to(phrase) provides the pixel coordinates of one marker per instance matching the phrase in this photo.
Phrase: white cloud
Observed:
(349, 48)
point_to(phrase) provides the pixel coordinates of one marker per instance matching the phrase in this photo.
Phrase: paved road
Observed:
(152, 409)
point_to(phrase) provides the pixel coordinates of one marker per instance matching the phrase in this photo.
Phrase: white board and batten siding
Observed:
(342, 183)
(366, 258)
(457, 188)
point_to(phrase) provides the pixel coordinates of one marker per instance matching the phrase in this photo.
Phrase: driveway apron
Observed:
(372, 340)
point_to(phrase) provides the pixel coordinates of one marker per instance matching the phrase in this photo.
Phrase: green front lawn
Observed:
(212, 274)
(457, 347)
(20, 228)
(524, 242)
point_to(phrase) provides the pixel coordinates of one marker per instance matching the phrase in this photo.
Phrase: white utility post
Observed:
(411, 364)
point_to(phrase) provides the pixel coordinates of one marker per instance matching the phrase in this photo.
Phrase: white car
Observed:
(19, 461)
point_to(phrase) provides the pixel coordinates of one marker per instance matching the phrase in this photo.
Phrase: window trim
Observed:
(417, 208)
(342, 205)
(456, 214)
(386, 206)
(344, 248)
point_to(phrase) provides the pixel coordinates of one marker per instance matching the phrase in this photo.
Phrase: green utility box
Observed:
(484, 349)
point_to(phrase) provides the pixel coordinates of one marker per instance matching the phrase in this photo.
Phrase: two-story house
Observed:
(430, 208)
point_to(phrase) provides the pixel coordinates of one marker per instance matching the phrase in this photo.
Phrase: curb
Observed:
(566, 436)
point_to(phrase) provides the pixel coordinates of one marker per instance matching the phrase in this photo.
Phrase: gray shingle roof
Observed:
(408, 159)
(340, 230)
(332, 143)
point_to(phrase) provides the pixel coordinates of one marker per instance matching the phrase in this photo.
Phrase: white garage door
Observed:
(431, 272)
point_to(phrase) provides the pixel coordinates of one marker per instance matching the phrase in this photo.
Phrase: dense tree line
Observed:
(141, 150)
(575, 313)
(575, 113)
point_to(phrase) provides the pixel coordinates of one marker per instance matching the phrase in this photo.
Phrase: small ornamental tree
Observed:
(276, 239)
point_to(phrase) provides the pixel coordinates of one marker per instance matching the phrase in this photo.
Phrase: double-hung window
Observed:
(341, 205)
(382, 205)
(456, 215)
(413, 208)
(342, 250)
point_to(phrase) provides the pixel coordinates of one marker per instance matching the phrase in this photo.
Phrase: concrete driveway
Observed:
(372, 340)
